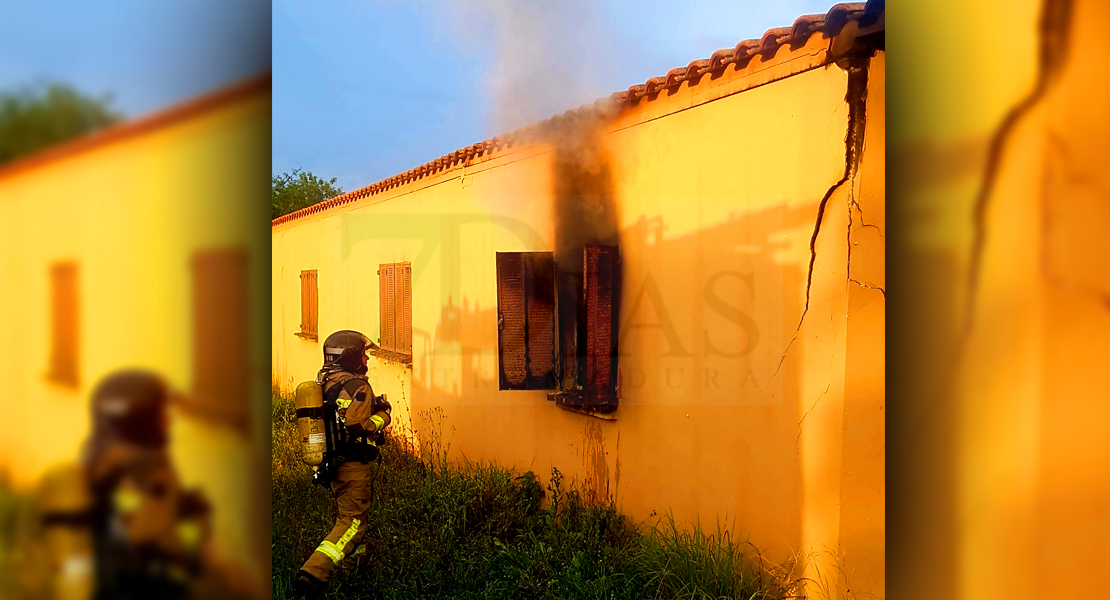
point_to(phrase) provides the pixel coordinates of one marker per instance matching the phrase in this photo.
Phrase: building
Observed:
(140, 247)
(674, 296)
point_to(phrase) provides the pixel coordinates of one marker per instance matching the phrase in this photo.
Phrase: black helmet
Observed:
(343, 350)
(131, 406)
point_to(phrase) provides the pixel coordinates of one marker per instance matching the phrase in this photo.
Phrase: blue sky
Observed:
(148, 54)
(365, 90)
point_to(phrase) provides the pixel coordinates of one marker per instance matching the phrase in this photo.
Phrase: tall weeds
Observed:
(481, 531)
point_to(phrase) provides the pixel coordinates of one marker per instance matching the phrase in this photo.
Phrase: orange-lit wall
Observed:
(718, 189)
(131, 213)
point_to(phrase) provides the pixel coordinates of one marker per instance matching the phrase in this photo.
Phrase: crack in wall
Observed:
(1071, 286)
(1054, 29)
(863, 223)
(1086, 180)
(1056, 141)
(869, 286)
(856, 98)
(798, 440)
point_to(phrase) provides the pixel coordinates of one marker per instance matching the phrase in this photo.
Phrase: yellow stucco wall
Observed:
(716, 190)
(131, 212)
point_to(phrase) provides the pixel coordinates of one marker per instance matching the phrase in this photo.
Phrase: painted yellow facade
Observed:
(751, 368)
(132, 208)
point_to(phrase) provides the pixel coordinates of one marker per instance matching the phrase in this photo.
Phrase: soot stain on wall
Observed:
(585, 212)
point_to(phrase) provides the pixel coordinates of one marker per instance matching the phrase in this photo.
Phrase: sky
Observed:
(147, 54)
(364, 90)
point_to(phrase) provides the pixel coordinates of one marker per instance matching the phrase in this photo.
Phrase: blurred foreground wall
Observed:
(999, 165)
(747, 202)
(142, 246)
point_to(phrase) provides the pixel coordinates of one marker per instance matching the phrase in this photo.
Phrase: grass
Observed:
(21, 571)
(438, 531)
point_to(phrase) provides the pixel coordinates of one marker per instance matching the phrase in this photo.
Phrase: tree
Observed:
(37, 117)
(297, 189)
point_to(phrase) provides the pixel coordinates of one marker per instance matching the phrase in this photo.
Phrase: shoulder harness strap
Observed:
(343, 381)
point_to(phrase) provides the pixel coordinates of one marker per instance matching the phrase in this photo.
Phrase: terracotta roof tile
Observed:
(830, 24)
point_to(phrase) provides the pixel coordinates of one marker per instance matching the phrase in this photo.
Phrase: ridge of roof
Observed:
(830, 24)
(131, 128)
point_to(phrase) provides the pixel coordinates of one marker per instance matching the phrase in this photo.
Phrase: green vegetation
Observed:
(18, 570)
(37, 117)
(298, 189)
(483, 532)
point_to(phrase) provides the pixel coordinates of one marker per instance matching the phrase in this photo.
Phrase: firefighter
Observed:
(147, 530)
(364, 417)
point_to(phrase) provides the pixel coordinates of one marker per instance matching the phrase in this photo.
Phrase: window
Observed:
(64, 324)
(221, 359)
(395, 310)
(309, 296)
(557, 325)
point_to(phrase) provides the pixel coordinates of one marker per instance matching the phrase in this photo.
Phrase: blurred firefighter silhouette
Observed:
(119, 525)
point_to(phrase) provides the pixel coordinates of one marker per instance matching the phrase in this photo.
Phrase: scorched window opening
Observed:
(557, 325)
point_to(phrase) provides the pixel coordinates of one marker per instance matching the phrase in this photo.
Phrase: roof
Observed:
(829, 24)
(128, 129)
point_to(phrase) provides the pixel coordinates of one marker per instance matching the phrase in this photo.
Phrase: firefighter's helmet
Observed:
(131, 405)
(344, 350)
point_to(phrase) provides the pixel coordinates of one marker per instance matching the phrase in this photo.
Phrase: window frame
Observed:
(596, 323)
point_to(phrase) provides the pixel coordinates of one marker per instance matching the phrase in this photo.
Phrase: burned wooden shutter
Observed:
(539, 271)
(601, 288)
(220, 334)
(526, 320)
(387, 310)
(512, 344)
(65, 324)
(309, 310)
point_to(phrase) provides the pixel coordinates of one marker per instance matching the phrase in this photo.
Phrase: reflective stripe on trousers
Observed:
(334, 551)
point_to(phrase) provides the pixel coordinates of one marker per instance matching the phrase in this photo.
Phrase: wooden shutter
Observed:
(314, 305)
(526, 319)
(304, 301)
(601, 282)
(387, 314)
(399, 308)
(511, 342)
(383, 305)
(65, 324)
(309, 305)
(395, 307)
(539, 271)
(220, 333)
(406, 309)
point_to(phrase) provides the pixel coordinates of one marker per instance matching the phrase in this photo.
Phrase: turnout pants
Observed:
(351, 489)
